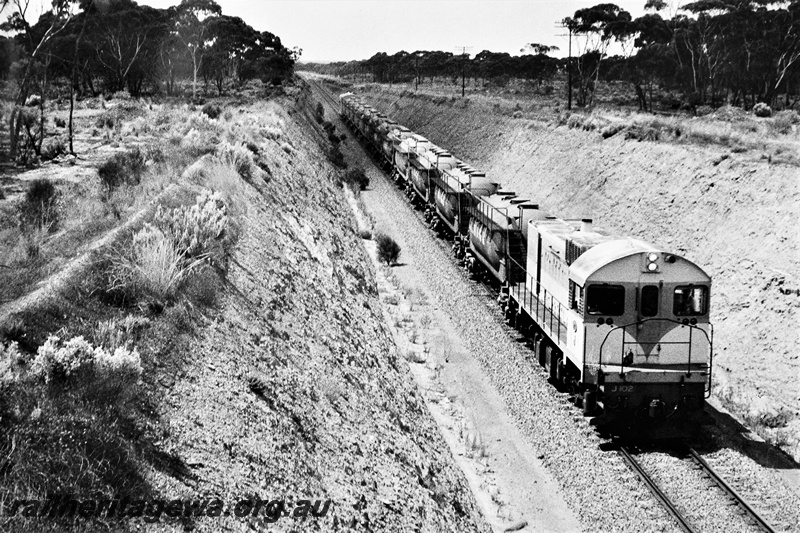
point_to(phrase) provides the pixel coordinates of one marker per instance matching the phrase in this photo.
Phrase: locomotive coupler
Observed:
(656, 409)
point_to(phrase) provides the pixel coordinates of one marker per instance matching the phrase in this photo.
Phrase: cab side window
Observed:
(690, 301)
(606, 300)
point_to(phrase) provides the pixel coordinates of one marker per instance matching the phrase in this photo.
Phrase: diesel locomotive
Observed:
(621, 324)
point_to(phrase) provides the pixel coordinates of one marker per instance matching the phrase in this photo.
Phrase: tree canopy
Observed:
(707, 52)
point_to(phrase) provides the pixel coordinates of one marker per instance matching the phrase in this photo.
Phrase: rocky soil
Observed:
(732, 213)
(293, 387)
(335, 413)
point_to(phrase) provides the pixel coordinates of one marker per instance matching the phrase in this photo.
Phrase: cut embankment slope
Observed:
(734, 214)
(288, 386)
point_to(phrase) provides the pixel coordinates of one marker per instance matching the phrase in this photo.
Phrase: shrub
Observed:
(57, 360)
(611, 130)
(201, 287)
(356, 179)
(336, 157)
(319, 113)
(212, 110)
(194, 230)
(575, 121)
(9, 355)
(642, 133)
(53, 148)
(113, 333)
(240, 157)
(152, 268)
(38, 210)
(783, 121)
(122, 168)
(105, 121)
(703, 110)
(762, 110)
(388, 250)
(330, 130)
(60, 122)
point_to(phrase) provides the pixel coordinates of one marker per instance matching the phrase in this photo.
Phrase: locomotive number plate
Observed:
(622, 388)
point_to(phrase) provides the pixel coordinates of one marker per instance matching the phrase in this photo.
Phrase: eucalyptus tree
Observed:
(192, 29)
(34, 39)
(594, 29)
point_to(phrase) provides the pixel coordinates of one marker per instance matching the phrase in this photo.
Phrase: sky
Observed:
(341, 30)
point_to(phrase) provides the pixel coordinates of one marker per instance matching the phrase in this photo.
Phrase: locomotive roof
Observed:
(606, 253)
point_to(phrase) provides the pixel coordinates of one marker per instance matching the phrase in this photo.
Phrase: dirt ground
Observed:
(733, 213)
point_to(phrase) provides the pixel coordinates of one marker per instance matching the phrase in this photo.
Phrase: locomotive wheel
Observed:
(561, 371)
(541, 350)
(589, 402)
(553, 359)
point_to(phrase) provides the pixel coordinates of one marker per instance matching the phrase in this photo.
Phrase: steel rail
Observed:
(657, 492)
(760, 522)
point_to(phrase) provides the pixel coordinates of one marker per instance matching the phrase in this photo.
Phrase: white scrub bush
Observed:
(194, 229)
(58, 359)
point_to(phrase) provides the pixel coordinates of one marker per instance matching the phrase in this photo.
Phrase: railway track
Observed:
(685, 525)
(487, 290)
(639, 470)
(732, 494)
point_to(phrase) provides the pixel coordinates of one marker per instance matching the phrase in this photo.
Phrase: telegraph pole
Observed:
(569, 72)
(464, 56)
(569, 62)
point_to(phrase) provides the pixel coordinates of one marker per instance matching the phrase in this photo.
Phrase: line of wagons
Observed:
(621, 324)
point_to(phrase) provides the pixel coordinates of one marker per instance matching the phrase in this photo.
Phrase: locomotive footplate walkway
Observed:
(545, 309)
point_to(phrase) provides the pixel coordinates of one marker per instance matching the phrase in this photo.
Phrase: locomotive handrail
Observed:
(541, 295)
(643, 321)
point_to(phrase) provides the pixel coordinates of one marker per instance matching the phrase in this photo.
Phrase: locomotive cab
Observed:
(646, 336)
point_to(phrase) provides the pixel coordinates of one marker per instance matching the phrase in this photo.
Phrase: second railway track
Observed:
(749, 515)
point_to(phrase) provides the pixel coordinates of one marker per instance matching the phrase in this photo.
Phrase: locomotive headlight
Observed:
(652, 262)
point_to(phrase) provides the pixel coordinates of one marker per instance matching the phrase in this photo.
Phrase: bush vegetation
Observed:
(122, 168)
(165, 253)
(762, 110)
(53, 148)
(387, 249)
(212, 110)
(78, 359)
(38, 210)
(319, 113)
(356, 179)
